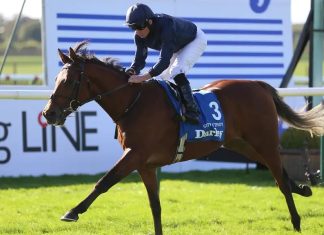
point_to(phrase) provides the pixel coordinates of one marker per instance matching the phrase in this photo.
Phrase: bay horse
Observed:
(251, 110)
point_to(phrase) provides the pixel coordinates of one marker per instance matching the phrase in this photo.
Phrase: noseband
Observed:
(75, 103)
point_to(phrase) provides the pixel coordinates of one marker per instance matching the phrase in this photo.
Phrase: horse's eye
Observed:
(67, 82)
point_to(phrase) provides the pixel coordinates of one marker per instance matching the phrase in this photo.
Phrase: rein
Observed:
(75, 103)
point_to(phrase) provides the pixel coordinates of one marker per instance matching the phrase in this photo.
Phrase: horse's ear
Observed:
(64, 58)
(73, 55)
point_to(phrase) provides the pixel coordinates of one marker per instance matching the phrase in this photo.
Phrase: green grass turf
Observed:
(23, 65)
(216, 202)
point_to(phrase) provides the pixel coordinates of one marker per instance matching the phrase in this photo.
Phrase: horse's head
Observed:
(84, 78)
(71, 89)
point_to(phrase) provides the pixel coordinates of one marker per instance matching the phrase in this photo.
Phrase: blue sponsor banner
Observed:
(246, 39)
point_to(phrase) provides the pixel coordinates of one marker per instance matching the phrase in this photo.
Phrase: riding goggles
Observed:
(136, 26)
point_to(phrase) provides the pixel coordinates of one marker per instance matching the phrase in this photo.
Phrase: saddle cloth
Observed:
(211, 119)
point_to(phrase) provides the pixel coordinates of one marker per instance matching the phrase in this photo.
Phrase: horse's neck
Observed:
(116, 102)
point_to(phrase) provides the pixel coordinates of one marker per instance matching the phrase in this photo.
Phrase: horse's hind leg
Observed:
(285, 186)
(150, 181)
(303, 190)
(272, 160)
(242, 147)
(245, 149)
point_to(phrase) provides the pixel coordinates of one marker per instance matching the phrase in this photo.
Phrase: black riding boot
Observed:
(192, 110)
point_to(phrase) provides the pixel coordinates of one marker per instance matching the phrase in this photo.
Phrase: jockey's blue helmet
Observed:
(137, 16)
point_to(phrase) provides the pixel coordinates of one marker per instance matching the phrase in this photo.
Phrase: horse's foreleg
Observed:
(124, 167)
(150, 180)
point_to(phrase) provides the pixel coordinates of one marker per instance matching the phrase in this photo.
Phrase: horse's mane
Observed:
(84, 54)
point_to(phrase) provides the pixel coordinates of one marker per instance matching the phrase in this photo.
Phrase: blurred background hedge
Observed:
(296, 139)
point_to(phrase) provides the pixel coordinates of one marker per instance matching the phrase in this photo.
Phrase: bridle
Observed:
(75, 103)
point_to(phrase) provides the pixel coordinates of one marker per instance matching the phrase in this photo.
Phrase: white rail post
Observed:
(317, 59)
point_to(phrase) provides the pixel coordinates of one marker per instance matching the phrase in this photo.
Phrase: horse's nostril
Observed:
(52, 114)
(49, 114)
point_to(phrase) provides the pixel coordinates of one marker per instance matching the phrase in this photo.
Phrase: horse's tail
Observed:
(312, 120)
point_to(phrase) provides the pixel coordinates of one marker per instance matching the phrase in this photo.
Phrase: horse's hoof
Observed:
(297, 229)
(307, 192)
(296, 223)
(70, 216)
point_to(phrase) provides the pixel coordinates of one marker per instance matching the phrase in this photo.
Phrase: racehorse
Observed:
(148, 131)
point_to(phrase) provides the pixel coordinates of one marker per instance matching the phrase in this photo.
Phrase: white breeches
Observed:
(183, 60)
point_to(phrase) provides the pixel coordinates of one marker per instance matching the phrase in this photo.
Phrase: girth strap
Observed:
(180, 149)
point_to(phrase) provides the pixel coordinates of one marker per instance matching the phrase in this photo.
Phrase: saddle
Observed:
(211, 125)
(211, 119)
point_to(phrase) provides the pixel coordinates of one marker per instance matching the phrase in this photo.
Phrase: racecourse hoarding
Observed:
(246, 40)
(30, 147)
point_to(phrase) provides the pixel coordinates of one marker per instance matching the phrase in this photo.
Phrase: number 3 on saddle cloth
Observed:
(211, 119)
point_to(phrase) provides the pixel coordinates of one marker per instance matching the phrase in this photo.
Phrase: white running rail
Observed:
(25, 94)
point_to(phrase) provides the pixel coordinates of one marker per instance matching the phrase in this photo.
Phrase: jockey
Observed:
(180, 43)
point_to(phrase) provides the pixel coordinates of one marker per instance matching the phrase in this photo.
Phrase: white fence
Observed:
(301, 91)
(25, 94)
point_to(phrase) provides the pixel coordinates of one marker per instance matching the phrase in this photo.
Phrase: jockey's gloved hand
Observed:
(130, 71)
